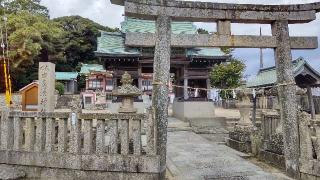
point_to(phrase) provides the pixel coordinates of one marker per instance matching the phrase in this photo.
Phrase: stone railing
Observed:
(309, 147)
(270, 124)
(81, 142)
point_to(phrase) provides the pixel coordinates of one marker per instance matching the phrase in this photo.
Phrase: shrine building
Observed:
(190, 67)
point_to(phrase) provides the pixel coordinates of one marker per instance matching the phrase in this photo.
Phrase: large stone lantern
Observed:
(127, 92)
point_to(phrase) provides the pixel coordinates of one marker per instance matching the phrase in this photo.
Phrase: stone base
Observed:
(274, 159)
(305, 176)
(275, 144)
(32, 172)
(239, 145)
(310, 169)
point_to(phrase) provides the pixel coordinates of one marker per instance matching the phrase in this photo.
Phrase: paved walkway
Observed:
(192, 157)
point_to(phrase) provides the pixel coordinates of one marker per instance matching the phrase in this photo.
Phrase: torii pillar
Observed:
(161, 76)
(287, 95)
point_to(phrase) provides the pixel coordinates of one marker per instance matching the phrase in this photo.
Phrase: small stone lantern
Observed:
(127, 92)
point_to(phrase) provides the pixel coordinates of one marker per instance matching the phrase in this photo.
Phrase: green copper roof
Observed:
(147, 26)
(113, 44)
(86, 68)
(268, 76)
(66, 76)
(205, 52)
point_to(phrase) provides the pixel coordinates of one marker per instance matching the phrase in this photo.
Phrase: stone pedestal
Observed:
(240, 138)
(46, 92)
(127, 105)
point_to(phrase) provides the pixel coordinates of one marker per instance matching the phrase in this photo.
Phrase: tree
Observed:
(31, 6)
(81, 40)
(228, 75)
(202, 31)
(31, 38)
(227, 51)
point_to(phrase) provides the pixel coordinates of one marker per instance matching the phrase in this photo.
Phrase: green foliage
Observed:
(60, 88)
(81, 82)
(31, 6)
(227, 51)
(202, 31)
(227, 75)
(31, 38)
(80, 40)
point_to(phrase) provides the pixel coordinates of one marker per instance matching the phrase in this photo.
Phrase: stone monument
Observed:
(46, 92)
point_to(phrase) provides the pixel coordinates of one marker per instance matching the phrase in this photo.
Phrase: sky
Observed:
(105, 13)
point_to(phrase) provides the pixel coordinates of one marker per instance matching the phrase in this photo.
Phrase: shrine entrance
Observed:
(279, 16)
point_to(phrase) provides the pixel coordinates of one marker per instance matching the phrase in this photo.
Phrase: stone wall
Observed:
(187, 111)
(16, 99)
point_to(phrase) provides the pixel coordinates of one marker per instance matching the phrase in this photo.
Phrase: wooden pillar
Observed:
(185, 83)
(140, 77)
(161, 75)
(311, 103)
(287, 96)
(208, 87)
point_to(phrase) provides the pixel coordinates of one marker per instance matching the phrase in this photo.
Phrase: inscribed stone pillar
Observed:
(46, 98)
(287, 97)
(161, 69)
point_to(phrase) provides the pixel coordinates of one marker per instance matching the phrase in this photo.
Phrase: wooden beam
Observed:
(190, 13)
(232, 41)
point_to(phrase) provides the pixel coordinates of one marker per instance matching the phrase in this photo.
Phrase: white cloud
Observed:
(103, 12)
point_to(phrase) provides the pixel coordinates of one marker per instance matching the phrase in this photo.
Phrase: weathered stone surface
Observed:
(287, 96)
(58, 174)
(190, 13)
(275, 144)
(274, 159)
(225, 6)
(208, 40)
(9, 172)
(93, 162)
(46, 94)
(161, 70)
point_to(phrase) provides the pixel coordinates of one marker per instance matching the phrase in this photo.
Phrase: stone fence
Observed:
(46, 145)
(309, 147)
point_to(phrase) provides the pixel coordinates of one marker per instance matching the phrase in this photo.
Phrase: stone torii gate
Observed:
(279, 16)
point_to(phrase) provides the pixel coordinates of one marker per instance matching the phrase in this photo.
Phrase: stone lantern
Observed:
(127, 92)
(244, 106)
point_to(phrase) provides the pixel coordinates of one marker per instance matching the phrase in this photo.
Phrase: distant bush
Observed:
(60, 88)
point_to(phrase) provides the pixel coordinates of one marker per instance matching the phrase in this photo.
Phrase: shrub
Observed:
(60, 88)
